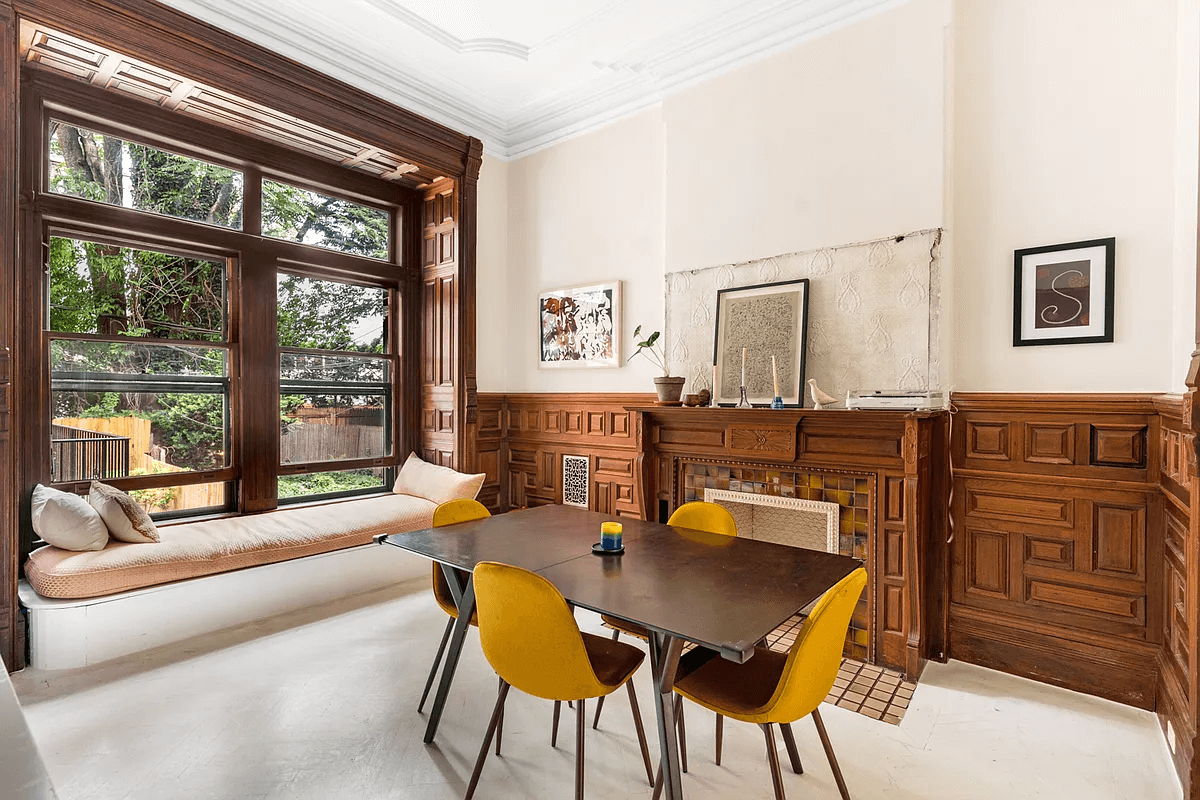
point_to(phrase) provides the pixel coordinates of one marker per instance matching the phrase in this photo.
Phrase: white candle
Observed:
(743, 366)
(775, 376)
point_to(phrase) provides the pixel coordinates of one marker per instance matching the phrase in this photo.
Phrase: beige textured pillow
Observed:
(439, 484)
(126, 520)
(66, 520)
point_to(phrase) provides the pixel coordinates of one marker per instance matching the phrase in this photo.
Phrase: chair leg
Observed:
(500, 725)
(837, 771)
(641, 733)
(720, 736)
(580, 727)
(487, 740)
(658, 783)
(600, 702)
(437, 660)
(682, 733)
(773, 760)
(790, 740)
(554, 730)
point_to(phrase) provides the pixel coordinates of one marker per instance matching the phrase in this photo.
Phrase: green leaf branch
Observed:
(651, 350)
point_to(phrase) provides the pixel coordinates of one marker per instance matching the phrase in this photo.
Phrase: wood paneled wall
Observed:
(440, 312)
(12, 649)
(1057, 560)
(1177, 683)
(523, 437)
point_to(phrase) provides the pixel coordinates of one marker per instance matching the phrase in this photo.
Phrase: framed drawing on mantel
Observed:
(770, 319)
(1063, 293)
(580, 326)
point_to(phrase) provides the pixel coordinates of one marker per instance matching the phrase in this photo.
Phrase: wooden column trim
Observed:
(466, 389)
(11, 644)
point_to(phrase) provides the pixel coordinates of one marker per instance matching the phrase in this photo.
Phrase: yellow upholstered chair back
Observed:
(813, 661)
(702, 516)
(452, 513)
(529, 634)
(456, 511)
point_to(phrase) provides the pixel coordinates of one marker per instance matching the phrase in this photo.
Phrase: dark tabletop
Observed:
(719, 591)
(533, 538)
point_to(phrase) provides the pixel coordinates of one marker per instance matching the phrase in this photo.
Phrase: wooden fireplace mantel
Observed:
(902, 456)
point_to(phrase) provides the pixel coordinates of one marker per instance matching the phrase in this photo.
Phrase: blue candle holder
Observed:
(777, 402)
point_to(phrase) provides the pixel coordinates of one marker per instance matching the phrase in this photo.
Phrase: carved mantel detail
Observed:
(877, 464)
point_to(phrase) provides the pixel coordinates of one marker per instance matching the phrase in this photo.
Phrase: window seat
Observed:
(91, 606)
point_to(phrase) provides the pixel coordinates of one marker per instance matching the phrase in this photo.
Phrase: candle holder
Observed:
(745, 401)
(777, 402)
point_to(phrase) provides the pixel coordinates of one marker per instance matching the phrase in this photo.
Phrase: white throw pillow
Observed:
(125, 519)
(439, 484)
(66, 520)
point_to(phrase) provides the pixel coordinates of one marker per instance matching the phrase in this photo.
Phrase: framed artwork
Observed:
(770, 319)
(580, 326)
(1063, 293)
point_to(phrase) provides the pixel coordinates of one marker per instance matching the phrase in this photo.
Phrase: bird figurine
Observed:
(820, 399)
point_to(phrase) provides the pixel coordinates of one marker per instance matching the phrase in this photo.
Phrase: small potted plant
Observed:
(669, 389)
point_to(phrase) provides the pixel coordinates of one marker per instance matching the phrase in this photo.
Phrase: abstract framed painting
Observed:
(580, 326)
(770, 319)
(1063, 293)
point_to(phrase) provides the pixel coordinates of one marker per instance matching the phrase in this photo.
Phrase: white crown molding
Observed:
(445, 38)
(638, 80)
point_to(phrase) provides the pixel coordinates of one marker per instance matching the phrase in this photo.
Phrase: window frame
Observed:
(393, 406)
(252, 472)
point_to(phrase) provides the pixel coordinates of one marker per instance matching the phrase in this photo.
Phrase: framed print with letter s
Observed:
(1063, 293)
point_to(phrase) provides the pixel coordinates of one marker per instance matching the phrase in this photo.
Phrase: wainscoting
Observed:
(1056, 565)
(1177, 682)
(523, 437)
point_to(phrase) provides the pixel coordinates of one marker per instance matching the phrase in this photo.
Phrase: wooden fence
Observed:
(137, 431)
(309, 442)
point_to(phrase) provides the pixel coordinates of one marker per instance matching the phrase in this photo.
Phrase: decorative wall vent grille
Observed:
(575, 481)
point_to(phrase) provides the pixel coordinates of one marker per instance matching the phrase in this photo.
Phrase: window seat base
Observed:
(65, 634)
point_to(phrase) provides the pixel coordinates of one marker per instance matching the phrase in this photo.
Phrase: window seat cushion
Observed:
(221, 545)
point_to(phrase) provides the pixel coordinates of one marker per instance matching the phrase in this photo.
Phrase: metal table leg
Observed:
(664, 659)
(464, 600)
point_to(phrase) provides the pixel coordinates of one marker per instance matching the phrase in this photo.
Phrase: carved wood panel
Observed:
(1060, 538)
(538, 429)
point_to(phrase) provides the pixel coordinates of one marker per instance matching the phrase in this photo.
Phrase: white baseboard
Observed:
(65, 634)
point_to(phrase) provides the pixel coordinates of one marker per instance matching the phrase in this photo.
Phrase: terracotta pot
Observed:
(669, 389)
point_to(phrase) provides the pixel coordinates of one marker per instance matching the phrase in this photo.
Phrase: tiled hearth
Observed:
(852, 494)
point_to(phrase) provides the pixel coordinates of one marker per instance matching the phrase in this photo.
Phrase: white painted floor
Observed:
(321, 704)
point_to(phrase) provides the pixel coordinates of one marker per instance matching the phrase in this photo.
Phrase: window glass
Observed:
(123, 409)
(299, 215)
(333, 427)
(120, 291)
(171, 500)
(331, 315)
(108, 169)
(315, 484)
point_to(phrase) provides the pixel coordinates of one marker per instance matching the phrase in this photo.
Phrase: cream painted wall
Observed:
(1065, 129)
(836, 141)
(1009, 124)
(1187, 123)
(585, 211)
(492, 278)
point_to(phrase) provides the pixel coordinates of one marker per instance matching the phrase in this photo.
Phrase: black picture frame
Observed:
(1030, 301)
(800, 346)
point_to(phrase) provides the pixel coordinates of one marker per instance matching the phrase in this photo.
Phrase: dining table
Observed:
(722, 593)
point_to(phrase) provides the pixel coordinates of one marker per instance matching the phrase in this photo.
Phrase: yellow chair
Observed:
(697, 515)
(530, 638)
(450, 513)
(776, 688)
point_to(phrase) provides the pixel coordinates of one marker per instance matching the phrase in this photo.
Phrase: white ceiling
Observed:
(523, 74)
